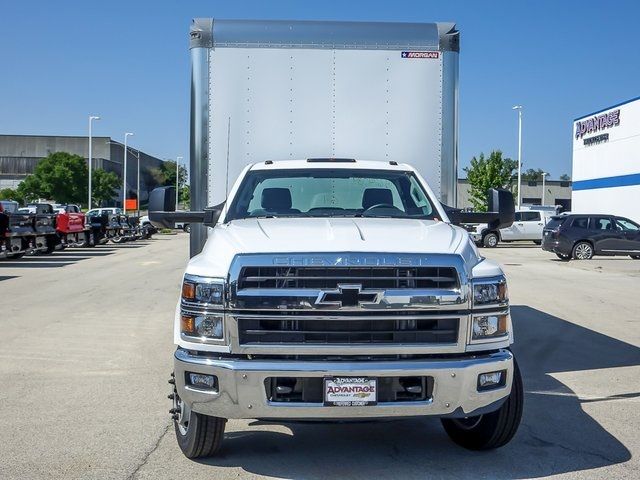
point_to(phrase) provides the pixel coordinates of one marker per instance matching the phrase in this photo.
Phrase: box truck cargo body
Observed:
(606, 161)
(278, 90)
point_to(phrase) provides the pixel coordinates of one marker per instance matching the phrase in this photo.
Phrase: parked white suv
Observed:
(108, 210)
(527, 226)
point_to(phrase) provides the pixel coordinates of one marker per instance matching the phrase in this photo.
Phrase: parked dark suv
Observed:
(583, 236)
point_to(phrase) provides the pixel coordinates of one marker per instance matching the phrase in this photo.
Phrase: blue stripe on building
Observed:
(607, 182)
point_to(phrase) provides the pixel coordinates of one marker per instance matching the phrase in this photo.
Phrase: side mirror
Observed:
(501, 212)
(162, 199)
(162, 212)
(501, 202)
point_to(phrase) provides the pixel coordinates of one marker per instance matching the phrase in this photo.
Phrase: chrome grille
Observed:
(299, 330)
(330, 277)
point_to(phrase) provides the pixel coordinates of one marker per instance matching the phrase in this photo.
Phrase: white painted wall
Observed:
(606, 176)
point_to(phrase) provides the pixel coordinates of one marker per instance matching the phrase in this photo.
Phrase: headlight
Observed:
(202, 325)
(489, 326)
(490, 291)
(204, 290)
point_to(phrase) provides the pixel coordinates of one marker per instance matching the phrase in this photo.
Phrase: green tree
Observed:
(11, 194)
(185, 197)
(565, 177)
(532, 175)
(60, 176)
(103, 186)
(488, 172)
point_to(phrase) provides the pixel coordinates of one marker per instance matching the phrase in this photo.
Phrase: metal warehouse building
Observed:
(19, 155)
(606, 161)
(556, 192)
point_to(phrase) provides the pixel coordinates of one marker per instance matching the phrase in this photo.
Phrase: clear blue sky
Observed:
(128, 61)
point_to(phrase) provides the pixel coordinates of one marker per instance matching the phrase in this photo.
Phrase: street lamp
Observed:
(177, 180)
(519, 109)
(91, 119)
(124, 175)
(544, 174)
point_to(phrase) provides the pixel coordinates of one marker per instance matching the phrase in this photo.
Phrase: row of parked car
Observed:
(569, 236)
(41, 228)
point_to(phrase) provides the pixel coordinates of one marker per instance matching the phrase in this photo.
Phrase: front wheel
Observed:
(635, 257)
(491, 430)
(198, 435)
(538, 242)
(490, 240)
(583, 251)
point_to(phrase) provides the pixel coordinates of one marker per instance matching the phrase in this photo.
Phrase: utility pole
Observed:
(519, 109)
(177, 180)
(91, 119)
(544, 174)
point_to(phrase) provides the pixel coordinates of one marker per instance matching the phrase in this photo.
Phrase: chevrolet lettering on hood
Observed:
(352, 260)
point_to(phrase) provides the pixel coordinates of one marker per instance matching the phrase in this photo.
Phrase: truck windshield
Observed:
(331, 193)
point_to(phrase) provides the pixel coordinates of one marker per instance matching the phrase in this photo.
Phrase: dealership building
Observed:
(606, 161)
(19, 155)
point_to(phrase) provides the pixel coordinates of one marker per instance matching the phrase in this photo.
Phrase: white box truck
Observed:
(332, 283)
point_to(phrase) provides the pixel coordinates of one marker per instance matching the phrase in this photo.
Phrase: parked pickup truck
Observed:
(16, 231)
(527, 226)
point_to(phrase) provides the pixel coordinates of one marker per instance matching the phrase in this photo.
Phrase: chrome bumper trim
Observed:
(241, 388)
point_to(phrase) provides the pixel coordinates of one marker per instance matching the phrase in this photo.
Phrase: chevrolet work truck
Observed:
(324, 285)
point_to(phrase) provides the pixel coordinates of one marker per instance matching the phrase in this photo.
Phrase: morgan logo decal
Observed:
(421, 55)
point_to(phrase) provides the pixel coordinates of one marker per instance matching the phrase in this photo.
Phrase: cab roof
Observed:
(330, 163)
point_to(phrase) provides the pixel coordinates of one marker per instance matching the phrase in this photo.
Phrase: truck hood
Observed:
(300, 235)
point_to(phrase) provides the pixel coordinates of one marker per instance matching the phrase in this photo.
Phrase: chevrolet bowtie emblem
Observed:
(349, 296)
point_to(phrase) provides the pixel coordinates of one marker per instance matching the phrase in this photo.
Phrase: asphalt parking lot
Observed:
(87, 347)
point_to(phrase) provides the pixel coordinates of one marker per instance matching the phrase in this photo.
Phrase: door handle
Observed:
(520, 224)
(540, 224)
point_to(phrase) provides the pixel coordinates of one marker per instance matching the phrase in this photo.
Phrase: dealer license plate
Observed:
(350, 391)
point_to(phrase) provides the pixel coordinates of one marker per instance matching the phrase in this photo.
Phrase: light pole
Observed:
(91, 119)
(138, 187)
(177, 180)
(544, 174)
(124, 175)
(519, 109)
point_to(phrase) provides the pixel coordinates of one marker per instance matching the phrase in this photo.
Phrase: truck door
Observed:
(515, 231)
(630, 241)
(532, 225)
(607, 239)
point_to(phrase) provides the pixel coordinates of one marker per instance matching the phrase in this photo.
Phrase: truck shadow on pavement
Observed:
(556, 436)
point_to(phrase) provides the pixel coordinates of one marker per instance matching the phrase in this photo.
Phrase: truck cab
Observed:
(339, 289)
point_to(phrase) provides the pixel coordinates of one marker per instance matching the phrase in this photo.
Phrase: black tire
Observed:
(562, 256)
(582, 251)
(635, 257)
(15, 256)
(187, 228)
(490, 240)
(538, 242)
(492, 430)
(203, 437)
(50, 248)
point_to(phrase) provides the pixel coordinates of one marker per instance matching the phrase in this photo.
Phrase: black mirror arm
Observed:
(209, 217)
